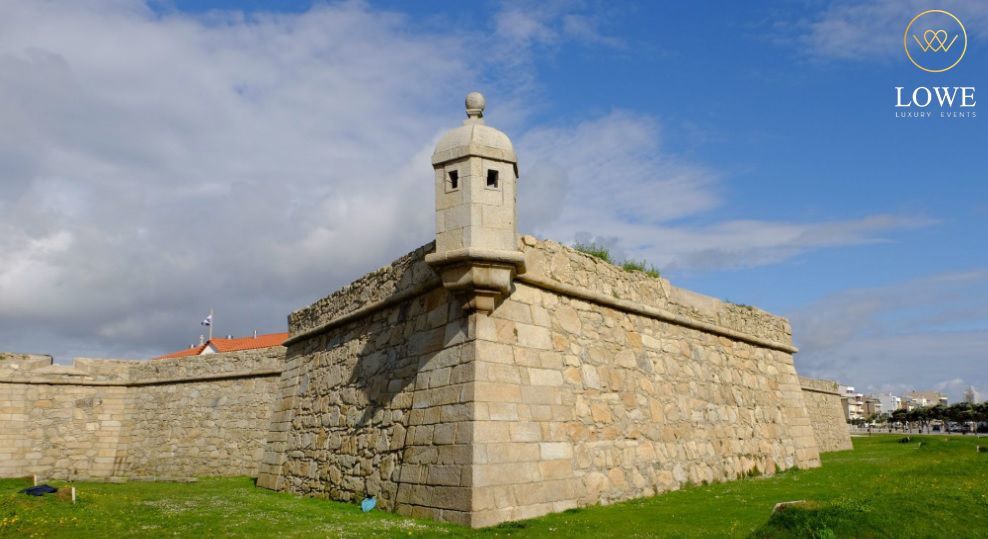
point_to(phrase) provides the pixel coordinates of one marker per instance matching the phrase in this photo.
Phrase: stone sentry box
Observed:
(487, 377)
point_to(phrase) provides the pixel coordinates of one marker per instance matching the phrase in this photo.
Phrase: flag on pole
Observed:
(208, 321)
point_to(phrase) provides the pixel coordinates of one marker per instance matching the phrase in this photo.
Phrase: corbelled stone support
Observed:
(480, 278)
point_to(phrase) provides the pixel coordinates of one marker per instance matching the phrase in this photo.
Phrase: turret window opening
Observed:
(454, 180)
(492, 181)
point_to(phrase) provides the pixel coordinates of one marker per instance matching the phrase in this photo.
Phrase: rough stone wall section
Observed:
(55, 423)
(553, 401)
(114, 420)
(214, 427)
(553, 262)
(408, 274)
(14, 360)
(822, 399)
(381, 404)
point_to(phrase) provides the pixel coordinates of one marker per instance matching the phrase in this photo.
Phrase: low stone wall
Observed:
(115, 420)
(822, 399)
(14, 360)
(54, 422)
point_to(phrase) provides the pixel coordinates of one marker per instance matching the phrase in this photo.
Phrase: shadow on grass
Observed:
(842, 518)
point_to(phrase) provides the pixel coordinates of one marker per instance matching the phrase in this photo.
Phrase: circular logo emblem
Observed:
(935, 41)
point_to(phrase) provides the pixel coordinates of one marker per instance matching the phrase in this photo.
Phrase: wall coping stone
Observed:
(99, 372)
(818, 385)
(552, 285)
(651, 312)
(140, 383)
(366, 310)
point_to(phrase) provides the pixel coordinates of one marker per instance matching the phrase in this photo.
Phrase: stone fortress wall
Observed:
(823, 404)
(603, 385)
(376, 396)
(171, 419)
(588, 384)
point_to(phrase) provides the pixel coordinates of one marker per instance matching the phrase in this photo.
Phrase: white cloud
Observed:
(921, 334)
(153, 166)
(610, 178)
(862, 31)
(156, 166)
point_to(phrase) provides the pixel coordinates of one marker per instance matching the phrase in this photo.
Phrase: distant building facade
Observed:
(871, 407)
(853, 403)
(889, 403)
(923, 399)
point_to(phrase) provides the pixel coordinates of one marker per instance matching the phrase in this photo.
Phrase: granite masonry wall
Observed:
(822, 399)
(379, 401)
(60, 421)
(589, 384)
(594, 384)
(116, 420)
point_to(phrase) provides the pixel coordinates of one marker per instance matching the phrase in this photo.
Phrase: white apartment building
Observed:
(890, 403)
(853, 403)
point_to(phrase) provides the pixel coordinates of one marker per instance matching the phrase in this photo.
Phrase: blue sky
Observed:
(749, 149)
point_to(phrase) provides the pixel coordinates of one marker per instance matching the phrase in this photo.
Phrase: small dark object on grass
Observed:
(982, 449)
(905, 440)
(39, 490)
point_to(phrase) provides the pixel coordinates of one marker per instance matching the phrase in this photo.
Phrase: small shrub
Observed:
(633, 265)
(642, 266)
(595, 250)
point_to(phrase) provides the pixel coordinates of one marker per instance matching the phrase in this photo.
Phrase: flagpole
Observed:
(211, 322)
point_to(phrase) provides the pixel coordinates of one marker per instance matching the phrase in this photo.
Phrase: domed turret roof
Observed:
(473, 138)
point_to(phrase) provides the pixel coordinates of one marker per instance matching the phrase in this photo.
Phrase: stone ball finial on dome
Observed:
(474, 138)
(475, 105)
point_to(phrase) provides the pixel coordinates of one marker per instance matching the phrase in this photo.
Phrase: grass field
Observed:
(937, 488)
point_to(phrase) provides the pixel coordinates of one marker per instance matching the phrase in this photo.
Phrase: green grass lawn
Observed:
(937, 488)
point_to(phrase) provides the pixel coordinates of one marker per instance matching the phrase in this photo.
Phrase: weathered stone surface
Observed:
(383, 404)
(163, 419)
(822, 400)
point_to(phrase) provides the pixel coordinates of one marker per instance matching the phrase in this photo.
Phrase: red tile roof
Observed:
(248, 343)
(232, 345)
(193, 351)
